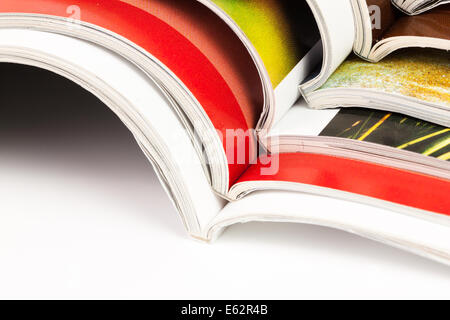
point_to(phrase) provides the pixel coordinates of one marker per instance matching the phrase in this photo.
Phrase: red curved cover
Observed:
(185, 60)
(376, 181)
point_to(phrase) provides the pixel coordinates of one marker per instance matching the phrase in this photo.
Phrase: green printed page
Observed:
(391, 129)
(418, 73)
(281, 31)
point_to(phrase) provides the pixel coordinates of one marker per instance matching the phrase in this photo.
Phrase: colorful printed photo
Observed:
(418, 73)
(281, 31)
(391, 129)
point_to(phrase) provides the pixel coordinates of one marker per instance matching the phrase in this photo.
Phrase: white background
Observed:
(82, 215)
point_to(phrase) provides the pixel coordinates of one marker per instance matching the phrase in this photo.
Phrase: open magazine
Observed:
(212, 91)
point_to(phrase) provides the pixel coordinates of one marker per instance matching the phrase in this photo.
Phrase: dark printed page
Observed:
(383, 15)
(433, 24)
(388, 21)
(391, 129)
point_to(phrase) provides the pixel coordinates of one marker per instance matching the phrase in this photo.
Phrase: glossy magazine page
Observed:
(383, 29)
(282, 32)
(218, 43)
(421, 74)
(175, 52)
(391, 130)
(357, 150)
(370, 135)
(432, 24)
(322, 174)
(284, 40)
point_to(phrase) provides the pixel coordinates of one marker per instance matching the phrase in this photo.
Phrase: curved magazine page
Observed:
(140, 104)
(426, 237)
(348, 179)
(282, 38)
(156, 38)
(411, 81)
(218, 42)
(276, 31)
(391, 130)
(415, 73)
(433, 24)
(374, 18)
(385, 29)
(379, 137)
(337, 29)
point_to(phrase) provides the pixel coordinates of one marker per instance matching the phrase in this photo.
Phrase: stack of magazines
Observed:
(329, 112)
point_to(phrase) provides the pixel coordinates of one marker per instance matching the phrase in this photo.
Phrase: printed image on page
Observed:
(417, 73)
(391, 129)
(282, 32)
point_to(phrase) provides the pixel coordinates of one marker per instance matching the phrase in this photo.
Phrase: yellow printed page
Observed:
(416, 73)
(281, 31)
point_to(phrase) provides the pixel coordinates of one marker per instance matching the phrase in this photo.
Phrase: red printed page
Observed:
(362, 178)
(168, 45)
(219, 43)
